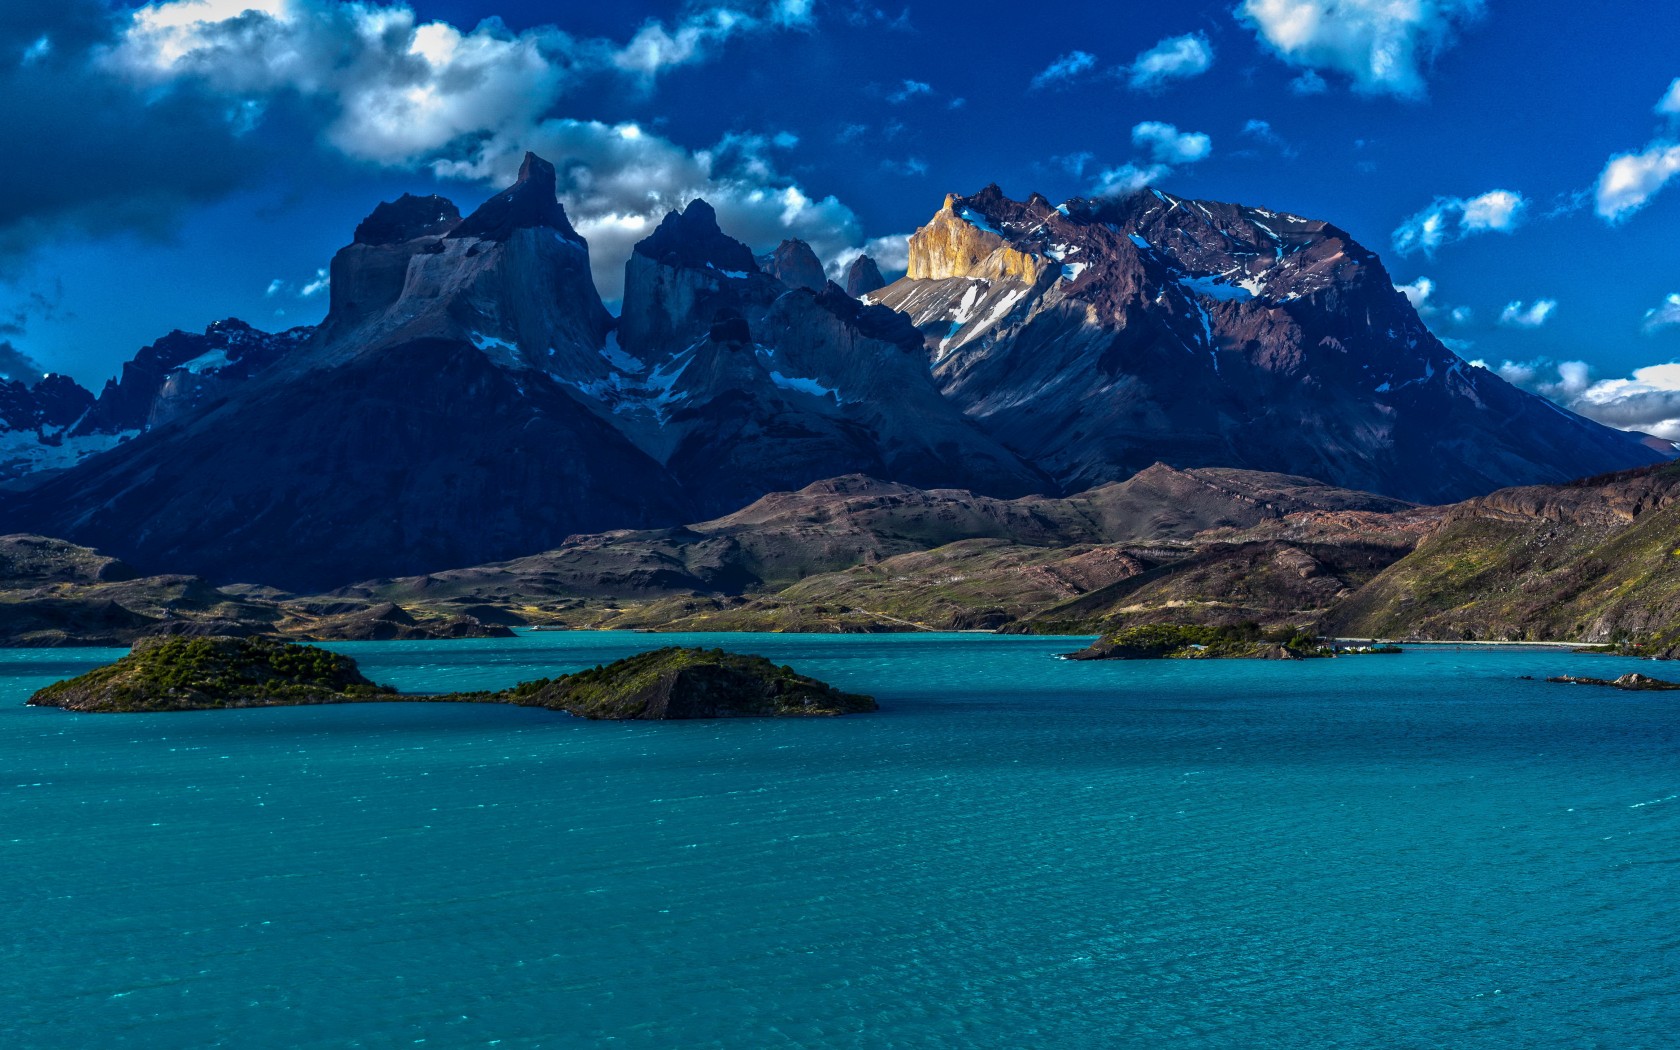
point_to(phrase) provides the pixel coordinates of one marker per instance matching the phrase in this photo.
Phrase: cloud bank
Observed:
(398, 92)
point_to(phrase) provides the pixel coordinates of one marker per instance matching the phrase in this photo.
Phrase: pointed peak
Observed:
(534, 169)
(863, 277)
(529, 203)
(691, 237)
(795, 265)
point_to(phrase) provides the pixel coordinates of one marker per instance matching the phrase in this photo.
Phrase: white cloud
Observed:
(1175, 58)
(1647, 401)
(1128, 178)
(1449, 219)
(1665, 315)
(275, 287)
(1630, 180)
(1164, 147)
(1669, 104)
(1418, 292)
(320, 284)
(910, 90)
(1382, 46)
(1518, 314)
(1309, 83)
(467, 105)
(1167, 145)
(891, 253)
(656, 46)
(1068, 67)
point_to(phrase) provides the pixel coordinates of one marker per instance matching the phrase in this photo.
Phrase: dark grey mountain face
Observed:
(468, 397)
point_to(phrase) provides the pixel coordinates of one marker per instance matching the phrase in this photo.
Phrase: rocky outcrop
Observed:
(1633, 681)
(795, 265)
(511, 279)
(863, 277)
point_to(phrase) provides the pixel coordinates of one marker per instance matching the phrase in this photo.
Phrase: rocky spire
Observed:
(863, 277)
(528, 203)
(795, 265)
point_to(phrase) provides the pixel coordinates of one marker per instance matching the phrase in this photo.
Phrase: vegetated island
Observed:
(1248, 641)
(1633, 680)
(196, 674)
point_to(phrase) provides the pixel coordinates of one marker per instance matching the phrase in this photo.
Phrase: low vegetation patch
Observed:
(1181, 641)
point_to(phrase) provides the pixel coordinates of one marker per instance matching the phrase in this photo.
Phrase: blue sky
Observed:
(185, 161)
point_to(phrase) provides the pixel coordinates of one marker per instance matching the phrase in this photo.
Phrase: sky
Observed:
(1516, 165)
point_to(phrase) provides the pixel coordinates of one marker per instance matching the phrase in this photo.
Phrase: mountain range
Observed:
(469, 398)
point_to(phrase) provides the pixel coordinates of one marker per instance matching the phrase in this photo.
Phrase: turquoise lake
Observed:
(1017, 851)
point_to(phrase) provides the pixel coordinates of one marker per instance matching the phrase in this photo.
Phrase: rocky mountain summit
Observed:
(469, 399)
(1099, 336)
(56, 423)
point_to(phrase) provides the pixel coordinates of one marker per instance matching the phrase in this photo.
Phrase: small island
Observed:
(1246, 641)
(1632, 681)
(197, 674)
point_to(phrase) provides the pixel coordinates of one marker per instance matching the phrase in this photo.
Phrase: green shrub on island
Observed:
(1175, 641)
(186, 674)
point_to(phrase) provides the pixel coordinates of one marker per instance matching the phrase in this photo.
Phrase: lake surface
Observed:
(1017, 851)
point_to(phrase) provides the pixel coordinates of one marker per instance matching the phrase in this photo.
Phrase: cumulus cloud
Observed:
(1518, 314)
(1648, 400)
(1163, 147)
(1418, 293)
(1630, 180)
(1664, 316)
(1381, 46)
(1069, 67)
(403, 93)
(1165, 144)
(618, 181)
(1175, 58)
(1449, 219)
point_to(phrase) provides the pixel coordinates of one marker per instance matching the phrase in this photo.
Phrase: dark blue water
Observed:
(1412, 851)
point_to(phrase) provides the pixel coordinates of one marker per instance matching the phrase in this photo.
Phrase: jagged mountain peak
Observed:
(795, 264)
(406, 218)
(864, 276)
(530, 203)
(691, 237)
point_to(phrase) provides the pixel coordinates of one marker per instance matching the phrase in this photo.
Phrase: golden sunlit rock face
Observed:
(951, 246)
